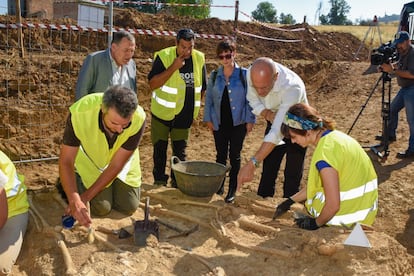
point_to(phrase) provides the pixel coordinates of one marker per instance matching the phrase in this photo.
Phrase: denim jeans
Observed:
(404, 98)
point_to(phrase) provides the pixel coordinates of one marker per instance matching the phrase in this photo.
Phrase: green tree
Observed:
(265, 12)
(154, 7)
(195, 12)
(337, 14)
(198, 12)
(286, 19)
(323, 19)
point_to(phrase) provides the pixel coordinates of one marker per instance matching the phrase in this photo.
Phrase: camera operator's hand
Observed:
(387, 67)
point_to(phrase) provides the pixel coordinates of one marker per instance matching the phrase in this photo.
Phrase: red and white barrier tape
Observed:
(83, 28)
(268, 38)
(270, 26)
(150, 3)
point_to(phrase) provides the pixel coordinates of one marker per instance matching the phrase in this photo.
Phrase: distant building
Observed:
(87, 13)
(32, 8)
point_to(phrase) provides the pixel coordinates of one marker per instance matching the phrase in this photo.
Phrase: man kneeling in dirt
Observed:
(99, 159)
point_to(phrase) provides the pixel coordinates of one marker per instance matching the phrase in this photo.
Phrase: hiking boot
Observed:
(173, 183)
(390, 138)
(405, 154)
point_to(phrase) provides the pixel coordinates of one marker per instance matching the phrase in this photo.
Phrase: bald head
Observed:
(263, 75)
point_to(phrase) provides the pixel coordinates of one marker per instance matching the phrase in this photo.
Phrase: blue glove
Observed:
(307, 223)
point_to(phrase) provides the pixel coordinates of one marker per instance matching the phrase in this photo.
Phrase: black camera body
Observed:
(386, 53)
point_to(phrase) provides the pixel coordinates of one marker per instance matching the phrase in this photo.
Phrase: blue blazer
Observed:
(96, 74)
(240, 108)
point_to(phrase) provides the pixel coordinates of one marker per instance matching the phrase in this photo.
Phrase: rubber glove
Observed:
(283, 207)
(307, 223)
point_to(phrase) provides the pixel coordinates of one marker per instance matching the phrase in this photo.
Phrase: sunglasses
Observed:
(227, 56)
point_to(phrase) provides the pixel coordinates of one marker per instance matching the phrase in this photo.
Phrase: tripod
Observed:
(381, 150)
(371, 28)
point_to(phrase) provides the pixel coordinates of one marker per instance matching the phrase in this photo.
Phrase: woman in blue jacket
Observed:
(227, 112)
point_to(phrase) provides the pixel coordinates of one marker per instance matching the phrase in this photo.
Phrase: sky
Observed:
(360, 9)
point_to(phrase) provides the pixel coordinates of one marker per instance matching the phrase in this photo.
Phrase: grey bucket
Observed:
(198, 178)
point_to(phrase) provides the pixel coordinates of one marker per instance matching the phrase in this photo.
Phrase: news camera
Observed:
(386, 53)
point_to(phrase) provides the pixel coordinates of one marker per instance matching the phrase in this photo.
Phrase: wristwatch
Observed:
(254, 161)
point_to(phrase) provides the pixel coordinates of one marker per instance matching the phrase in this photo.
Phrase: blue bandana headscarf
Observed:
(296, 122)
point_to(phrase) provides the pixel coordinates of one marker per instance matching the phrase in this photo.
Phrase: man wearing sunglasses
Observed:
(272, 89)
(178, 81)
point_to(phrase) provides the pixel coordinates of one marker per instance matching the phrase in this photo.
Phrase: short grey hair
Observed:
(123, 99)
(118, 36)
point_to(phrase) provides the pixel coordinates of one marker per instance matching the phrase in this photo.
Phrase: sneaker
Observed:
(231, 196)
(405, 154)
(390, 138)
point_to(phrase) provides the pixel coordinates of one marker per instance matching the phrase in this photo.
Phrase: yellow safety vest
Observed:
(94, 153)
(168, 100)
(15, 188)
(358, 184)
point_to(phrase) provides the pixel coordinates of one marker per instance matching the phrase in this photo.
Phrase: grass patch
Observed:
(372, 39)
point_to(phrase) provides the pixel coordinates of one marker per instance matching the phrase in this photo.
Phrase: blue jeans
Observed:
(404, 98)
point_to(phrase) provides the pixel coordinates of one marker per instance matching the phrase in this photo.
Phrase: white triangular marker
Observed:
(357, 237)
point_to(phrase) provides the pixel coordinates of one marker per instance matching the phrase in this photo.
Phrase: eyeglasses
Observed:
(226, 56)
(186, 34)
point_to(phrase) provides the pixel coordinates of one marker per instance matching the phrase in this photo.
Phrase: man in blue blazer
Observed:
(113, 66)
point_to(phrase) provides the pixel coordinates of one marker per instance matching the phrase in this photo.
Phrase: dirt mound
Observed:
(313, 46)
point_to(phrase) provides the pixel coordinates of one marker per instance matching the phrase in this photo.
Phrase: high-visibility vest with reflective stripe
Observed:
(168, 100)
(358, 184)
(94, 154)
(15, 189)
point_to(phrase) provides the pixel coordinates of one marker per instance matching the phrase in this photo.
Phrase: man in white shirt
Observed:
(272, 89)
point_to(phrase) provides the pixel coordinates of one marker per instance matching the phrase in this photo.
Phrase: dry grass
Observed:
(370, 35)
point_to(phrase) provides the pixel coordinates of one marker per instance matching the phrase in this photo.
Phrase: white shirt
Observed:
(119, 74)
(3, 179)
(288, 90)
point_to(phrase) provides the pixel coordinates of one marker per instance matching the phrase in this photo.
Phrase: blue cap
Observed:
(400, 37)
